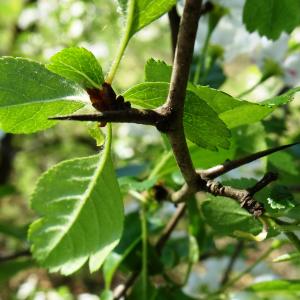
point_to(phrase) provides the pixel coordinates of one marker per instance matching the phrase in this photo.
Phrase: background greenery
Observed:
(239, 60)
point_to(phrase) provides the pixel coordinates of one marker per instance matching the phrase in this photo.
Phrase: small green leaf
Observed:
(96, 133)
(233, 111)
(276, 286)
(280, 198)
(282, 99)
(225, 216)
(157, 71)
(107, 295)
(293, 213)
(201, 124)
(129, 183)
(110, 266)
(283, 161)
(288, 257)
(81, 211)
(146, 11)
(79, 65)
(29, 94)
(270, 17)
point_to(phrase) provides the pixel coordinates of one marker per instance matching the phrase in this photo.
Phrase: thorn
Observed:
(219, 170)
(86, 117)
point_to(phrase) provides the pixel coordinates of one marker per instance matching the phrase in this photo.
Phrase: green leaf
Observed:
(201, 124)
(282, 99)
(107, 295)
(233, 111)
(96, 133)
(147, 11)
(225, 216)
(276, 286)
(283, 161)
(280, 198)
(129, 183)
(271, 17)
(157, 71)
(202, 158)
(81, 211)
(29, 94)
(251, 138)
(293, 213)
(79, 65)
(288, 257)
(110, 266)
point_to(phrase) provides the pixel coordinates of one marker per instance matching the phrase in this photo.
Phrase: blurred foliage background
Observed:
(37, 29)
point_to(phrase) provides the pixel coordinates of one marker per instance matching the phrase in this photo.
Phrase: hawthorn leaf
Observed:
(157, 71)
(96, 133)
(145, 12)
(29, 94)
(79, 65)
(271, 17)
(282, 99)
(129, 183)
(278, 285)
(293, 213)
(201, 123)
(233, 111)
(283, 161)
(81, 214)
(280, 197)
(225, 216)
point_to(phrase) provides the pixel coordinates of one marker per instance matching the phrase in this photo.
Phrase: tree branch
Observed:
(242, 196)
(268, 177)
(170, 227)
(174, 106)
(174, 21)
(15, 255)
(132, 115)
(219, 170)
(238, 249)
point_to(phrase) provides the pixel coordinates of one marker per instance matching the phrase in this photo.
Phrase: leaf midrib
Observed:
(66, 99)
(85, 195)
(91, 81)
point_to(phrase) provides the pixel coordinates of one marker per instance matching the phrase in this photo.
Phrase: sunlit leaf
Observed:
(201, 124)
(225, 216)
(79, 65)
(81, 212)
(146, 11)
(270, 18)
(29, 94)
